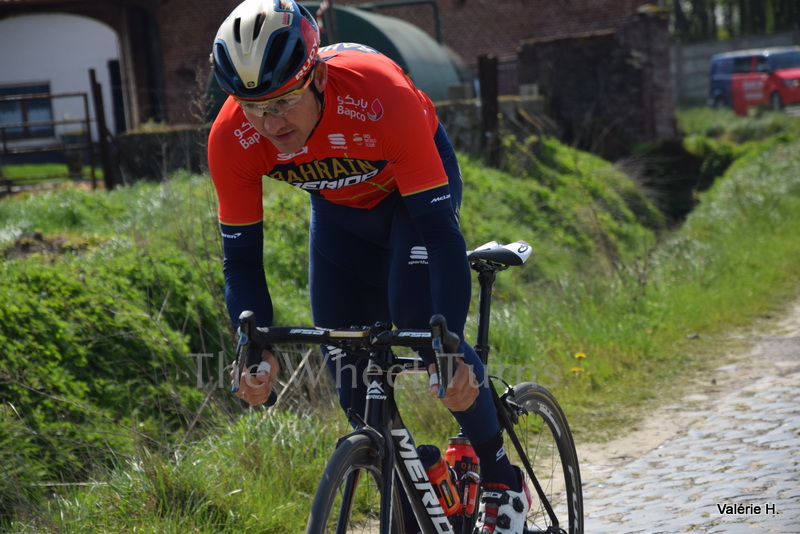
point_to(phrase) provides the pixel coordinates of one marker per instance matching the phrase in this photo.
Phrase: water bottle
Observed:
(462, 458)
(442, 478)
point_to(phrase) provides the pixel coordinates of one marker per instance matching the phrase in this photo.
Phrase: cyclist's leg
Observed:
(411, 307)
(349, 266)
(347, 279)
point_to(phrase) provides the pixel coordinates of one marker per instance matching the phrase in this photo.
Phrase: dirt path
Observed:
(725, 458)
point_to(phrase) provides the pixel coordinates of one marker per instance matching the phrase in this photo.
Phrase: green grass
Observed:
(35, 173)
(725, 124)
(645, 308)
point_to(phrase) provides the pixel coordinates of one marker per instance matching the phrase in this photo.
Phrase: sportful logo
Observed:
(335, 353)
(418, 256)
(337, 140)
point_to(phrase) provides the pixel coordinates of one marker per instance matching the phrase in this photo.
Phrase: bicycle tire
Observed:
(354, 458)
(548, 443)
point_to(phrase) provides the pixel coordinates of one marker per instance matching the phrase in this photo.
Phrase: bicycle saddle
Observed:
(512, 254)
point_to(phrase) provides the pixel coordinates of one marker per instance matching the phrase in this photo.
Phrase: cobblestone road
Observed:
(731, 465)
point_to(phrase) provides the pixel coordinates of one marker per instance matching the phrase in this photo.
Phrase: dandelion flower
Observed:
(580, 355)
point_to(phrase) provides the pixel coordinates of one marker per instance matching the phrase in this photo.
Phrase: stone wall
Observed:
(607, 90)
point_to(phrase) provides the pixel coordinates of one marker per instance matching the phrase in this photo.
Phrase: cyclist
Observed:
(348, 126)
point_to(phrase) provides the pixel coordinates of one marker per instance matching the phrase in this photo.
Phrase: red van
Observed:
(745, 78)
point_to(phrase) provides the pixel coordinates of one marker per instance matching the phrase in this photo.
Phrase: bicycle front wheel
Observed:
(547, 442)
(348, 497)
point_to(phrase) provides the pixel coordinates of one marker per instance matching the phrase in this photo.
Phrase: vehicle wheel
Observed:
(776, 102)
(348, 497)
(545, 436)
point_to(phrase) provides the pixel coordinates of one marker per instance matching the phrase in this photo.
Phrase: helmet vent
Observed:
(259, 24)
(237, 30)
(276, 50)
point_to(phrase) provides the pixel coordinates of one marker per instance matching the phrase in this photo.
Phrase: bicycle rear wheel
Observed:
(348, 497)
(546, 439)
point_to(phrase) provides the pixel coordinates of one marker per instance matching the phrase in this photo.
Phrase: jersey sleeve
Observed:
(411, 147)
(236, 167)
(237, 180)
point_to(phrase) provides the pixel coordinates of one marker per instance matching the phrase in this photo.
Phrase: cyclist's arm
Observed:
(236, 169)
(449, 271)
(243, 266)
(423, 183)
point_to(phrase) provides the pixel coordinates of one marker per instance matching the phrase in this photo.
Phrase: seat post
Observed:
(486, 277)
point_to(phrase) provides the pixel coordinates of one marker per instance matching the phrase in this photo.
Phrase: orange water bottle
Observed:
(441, 477)
(462, 458)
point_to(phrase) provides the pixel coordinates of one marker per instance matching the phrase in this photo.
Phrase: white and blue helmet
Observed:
(264, 47)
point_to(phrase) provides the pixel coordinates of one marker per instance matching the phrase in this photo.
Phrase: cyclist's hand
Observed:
(462, 390)
(255, 388)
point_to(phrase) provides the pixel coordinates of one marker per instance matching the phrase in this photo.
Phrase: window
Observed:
(741, 65)
(786, 60)
(26, 110)
(722, 67)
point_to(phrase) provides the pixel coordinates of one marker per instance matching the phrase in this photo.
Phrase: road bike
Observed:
(375, 471)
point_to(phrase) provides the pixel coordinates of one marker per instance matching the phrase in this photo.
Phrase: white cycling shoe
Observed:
(503, 511)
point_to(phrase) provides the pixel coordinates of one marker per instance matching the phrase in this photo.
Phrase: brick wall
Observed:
(187, 30)
(475, 27)
(621, 94)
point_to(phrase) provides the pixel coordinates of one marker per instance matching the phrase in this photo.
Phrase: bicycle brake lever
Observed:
(246, 322)
(247, 356)
(445, 344)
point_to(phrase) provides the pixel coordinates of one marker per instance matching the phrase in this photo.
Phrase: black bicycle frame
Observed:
(487, 273)
(382, 422)
(397, 450)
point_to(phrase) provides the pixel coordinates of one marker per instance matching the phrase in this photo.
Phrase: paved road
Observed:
(734, 467)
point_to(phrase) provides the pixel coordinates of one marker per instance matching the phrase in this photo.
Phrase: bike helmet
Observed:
(264, 47)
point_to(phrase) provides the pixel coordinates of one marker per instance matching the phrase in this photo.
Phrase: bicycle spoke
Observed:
(547, 443)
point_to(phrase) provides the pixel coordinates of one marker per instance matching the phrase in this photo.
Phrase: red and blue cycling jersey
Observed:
(377, 148)
(373, 137)
(384, 238)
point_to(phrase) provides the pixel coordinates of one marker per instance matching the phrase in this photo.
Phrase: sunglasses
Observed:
(279, 106)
